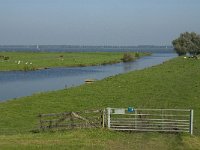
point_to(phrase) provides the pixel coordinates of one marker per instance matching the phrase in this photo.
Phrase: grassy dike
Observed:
(173, 84)
(39, 60)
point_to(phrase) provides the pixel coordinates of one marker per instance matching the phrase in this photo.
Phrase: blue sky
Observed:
(97, 22)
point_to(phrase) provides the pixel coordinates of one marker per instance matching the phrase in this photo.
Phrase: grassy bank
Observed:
(98, 140)
(40, 60)
(174, 84)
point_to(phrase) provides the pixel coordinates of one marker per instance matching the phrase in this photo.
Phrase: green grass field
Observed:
(173, 84)
(39, 60)
(98, 140)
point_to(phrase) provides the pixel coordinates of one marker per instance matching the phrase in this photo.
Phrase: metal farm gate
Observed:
(160, 120)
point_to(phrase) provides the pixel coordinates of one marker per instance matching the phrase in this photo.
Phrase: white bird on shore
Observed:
(18, 62)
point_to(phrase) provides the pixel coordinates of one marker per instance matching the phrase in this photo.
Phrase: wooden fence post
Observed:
(41, 123)
(72, 120)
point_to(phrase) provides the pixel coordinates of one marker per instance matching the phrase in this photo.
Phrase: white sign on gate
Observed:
(119, 111)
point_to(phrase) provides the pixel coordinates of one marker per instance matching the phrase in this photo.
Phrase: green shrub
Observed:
(127, 57)
(137, 54)
(1, 56)
(4, 57)
(28, 68)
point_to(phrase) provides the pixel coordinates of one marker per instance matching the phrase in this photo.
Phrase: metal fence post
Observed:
(162, 118)
(135, 118)
(103, 118)
(108, 109)
(191, 121)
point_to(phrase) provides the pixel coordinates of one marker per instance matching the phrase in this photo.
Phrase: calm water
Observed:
(15, 84)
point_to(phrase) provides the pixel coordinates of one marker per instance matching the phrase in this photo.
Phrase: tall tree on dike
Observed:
(187, 43)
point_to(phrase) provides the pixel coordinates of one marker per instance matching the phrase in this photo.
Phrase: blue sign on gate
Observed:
(131, 109)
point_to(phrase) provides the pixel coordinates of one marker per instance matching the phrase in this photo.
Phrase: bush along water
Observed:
(137, 54)
(127, 57)
(29, 68)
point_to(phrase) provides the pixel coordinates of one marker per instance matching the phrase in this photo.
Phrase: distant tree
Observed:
(187, 43)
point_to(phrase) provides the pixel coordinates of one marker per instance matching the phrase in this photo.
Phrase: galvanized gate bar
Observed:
(191, 122)
(166, 120)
